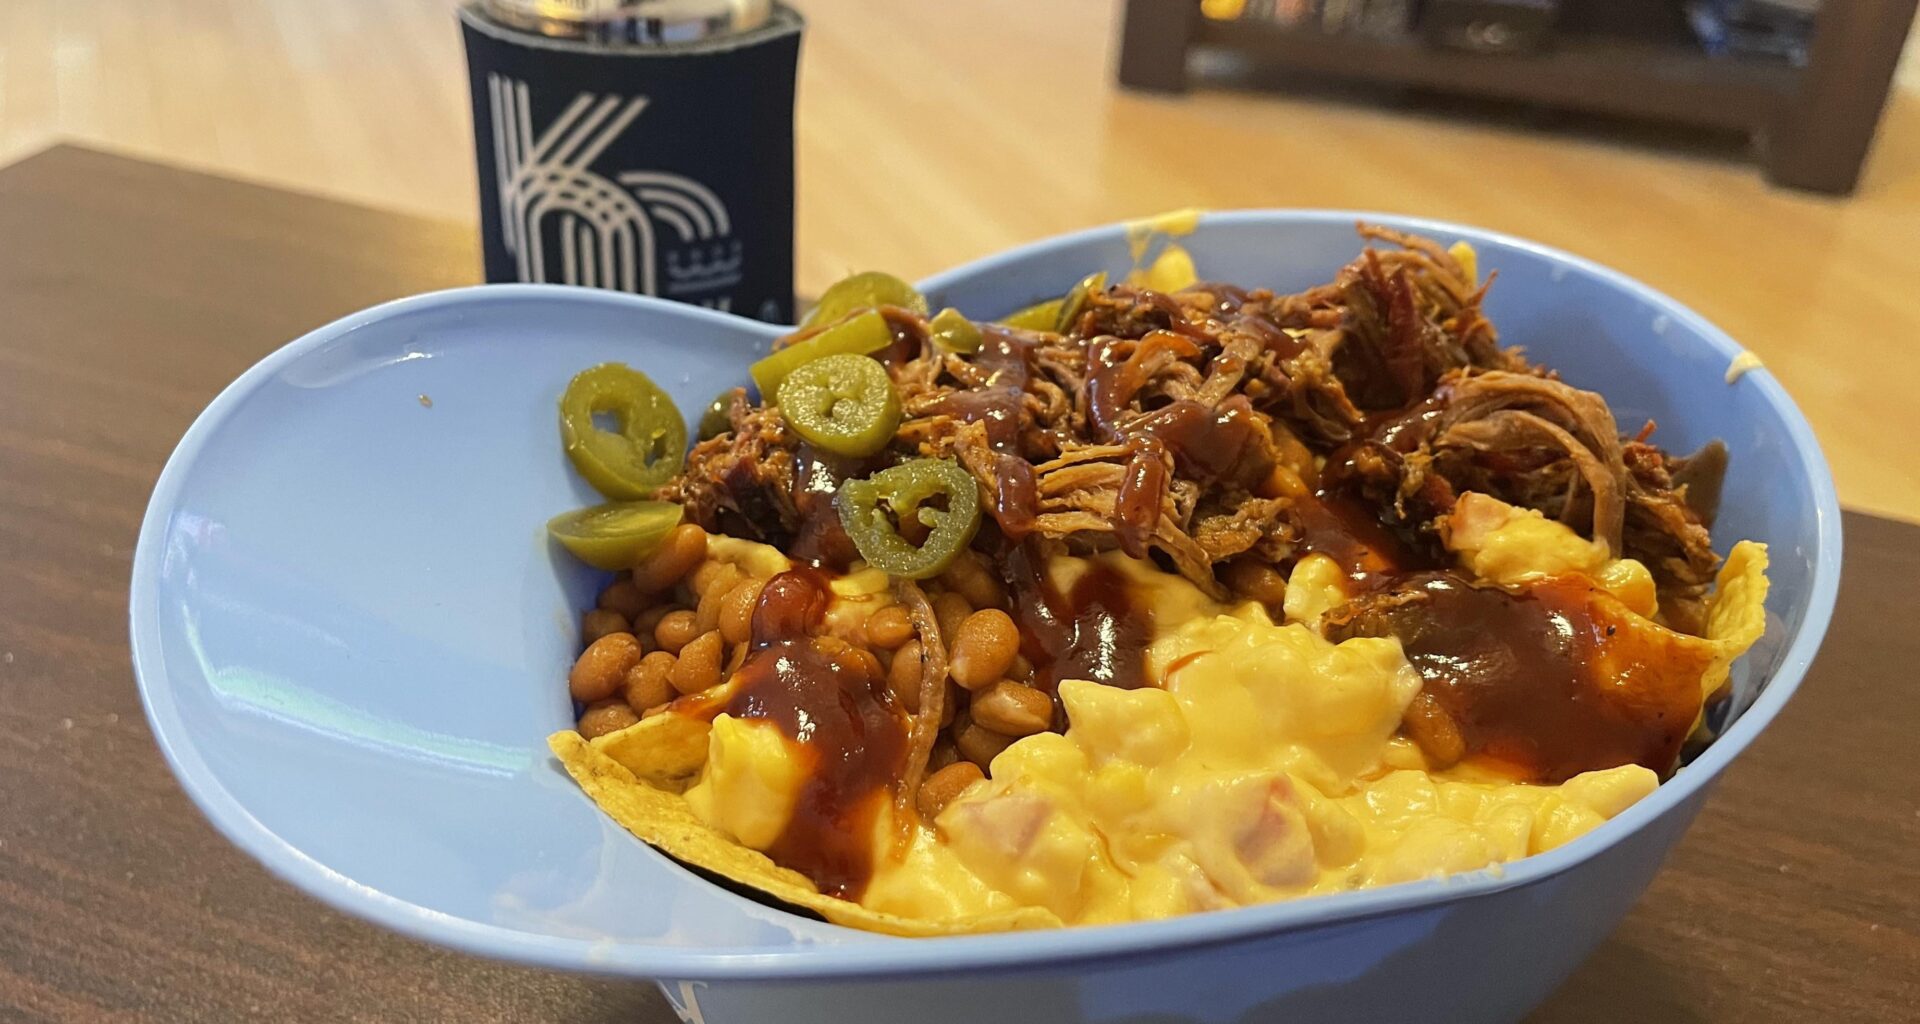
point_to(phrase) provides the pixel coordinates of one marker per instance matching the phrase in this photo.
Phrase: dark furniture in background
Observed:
(133, 293)
(1812, 125)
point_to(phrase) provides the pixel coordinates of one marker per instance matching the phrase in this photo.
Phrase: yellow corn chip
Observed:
(665, 751)
(1738, 614)
(651, 808)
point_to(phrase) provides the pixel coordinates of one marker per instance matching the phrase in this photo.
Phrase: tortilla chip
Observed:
(666, 751)
(1738, 613)
(652, 809)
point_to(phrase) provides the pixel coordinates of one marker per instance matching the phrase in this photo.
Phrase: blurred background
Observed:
(1717, 149)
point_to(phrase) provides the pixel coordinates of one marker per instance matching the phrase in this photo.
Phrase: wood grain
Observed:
(933, 133)
(132, 294)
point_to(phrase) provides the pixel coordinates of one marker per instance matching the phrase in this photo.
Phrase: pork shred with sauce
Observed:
(1217, 425)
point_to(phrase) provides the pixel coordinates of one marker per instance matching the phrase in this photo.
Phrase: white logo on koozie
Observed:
(602, 233)
(686, 1005)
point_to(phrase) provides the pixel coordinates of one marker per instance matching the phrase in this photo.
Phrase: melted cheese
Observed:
(1506, 544)
(752, 779)
(1173, 268)
(1266, 765)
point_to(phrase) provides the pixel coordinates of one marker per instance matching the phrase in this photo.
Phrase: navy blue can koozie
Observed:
(662, 167)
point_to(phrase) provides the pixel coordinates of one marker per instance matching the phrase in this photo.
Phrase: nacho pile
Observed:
(1157, 597)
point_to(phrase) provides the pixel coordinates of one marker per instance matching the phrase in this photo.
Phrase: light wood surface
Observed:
(1794, 898)
(932, 133)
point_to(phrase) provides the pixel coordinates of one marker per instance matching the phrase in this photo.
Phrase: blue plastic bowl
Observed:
(350, 634)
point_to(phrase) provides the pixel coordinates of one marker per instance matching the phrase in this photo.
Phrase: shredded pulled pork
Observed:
(1220, 424)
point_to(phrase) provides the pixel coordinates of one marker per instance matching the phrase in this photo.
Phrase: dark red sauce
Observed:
(1016, 497)
(1271, 335)
(1175, 315)
(846, 723)
(1001, 407)
(1544, 681)
(1204, 442)
(1345, 529)
(821, 541)
(1227, 298)
(757, 515)
(1137, 501)
(909, 335)
(1093, 631)
(1208, 443)
(1404, 429)
(1115, 380)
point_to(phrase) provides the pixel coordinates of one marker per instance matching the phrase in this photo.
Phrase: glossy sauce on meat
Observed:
(1001, 407)
(1114, 380)
(821, 540)
(1228, 309)
(1207, 443)
(1344, 529)
(854, 738)
(909, 335)
(1541, 682)
(1405, 429)
(1143, 489)
(1224, 442)
(1096, 630)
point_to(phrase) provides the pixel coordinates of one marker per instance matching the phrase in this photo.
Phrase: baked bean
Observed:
(676, 630)
(903, 676)
(683, 548)
(623, 597)
(983, 648)
(1435, 730)
(868, 662)
(644, 623)
(969, 577)
(949, 609)
(601, 621)
(713, 599)
(1021, 670)
(603, 717)
(1012, 708)
(942, 754)
(979, 744)
(736, 612)
(699, 664)
(890, 627)
(646, 685)
(737, 658)
(941, 787)
(602, 666)
(956, 699)
(1256, 581)
(710, 574)
(1284, 481)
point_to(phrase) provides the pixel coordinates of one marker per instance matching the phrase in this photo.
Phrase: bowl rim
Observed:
(945, 955)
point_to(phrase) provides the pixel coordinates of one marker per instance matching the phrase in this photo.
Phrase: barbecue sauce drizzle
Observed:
(1002, 406)
(821, 541)
(1542, 681)
(842, 717)
(1095, 630)
(1545, 681)
(1539, 681)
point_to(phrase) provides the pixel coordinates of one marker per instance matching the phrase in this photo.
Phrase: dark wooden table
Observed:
(131, 293)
